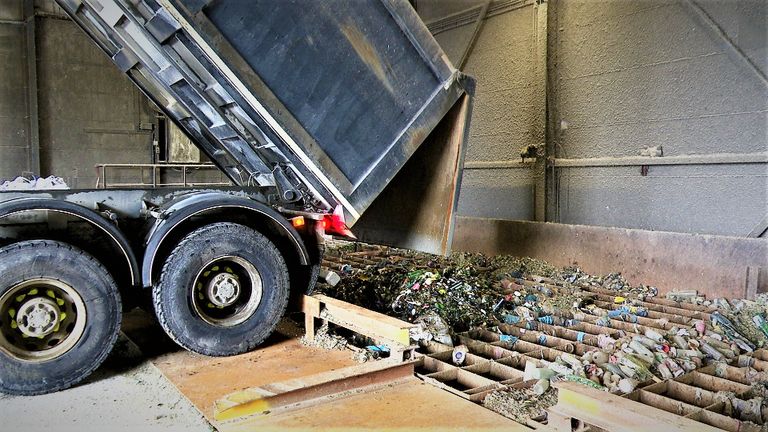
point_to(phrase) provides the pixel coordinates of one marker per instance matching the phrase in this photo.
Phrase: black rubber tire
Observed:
(172, 296)
(34, 259)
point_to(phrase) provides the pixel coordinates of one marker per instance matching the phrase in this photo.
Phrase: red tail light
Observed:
(334, 224)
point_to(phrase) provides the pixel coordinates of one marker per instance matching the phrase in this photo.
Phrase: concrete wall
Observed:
(621, 75)
(509, 102)
(14, 118)
(87, 111)
(649, 73)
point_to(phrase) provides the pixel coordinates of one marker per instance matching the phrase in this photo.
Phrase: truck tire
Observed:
(222, 290)
(60, 316)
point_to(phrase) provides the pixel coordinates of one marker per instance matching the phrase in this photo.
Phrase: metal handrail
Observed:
(156, 174)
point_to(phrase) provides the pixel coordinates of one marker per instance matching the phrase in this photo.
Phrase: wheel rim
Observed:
(227, 291)
(40, 319)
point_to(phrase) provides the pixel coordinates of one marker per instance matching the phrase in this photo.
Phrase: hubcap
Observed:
(223, 289)
(227, 291)
(40, 319)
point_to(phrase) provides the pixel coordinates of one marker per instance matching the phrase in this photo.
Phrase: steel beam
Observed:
(475, 33)
(307, 391)
(733, 49)
(33, 158)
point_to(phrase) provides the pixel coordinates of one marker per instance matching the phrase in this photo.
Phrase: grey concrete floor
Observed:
(126, 393)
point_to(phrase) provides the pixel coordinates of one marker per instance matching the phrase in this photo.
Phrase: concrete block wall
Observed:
(508, 110)
(621, 75)
(656, 73)
(14, 115)
(87, 111)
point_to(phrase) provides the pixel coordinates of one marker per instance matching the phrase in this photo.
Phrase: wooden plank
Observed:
(614, 413)
(368, 314)
(311, 308)
(358, 319)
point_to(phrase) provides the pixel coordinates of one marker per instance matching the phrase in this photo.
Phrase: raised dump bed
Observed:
(324, 100)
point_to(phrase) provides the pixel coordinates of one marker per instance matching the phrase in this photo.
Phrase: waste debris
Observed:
(606, 332)
(431, 327)
(325, 339)
(35, 183)
(363, 349)
(521, 404)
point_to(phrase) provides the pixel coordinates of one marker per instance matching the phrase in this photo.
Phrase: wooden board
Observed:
(383, 328)
(613, 413)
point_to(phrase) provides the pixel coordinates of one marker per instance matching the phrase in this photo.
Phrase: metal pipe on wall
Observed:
(703, 159)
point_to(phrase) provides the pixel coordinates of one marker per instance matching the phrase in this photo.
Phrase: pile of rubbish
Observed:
(448, 296)
(458, 292)
(521, 404)
(363, 349)
(454, 294)
(34, 183)
(620, 365)
(325, 339)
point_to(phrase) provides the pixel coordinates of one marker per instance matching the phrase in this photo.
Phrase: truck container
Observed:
(329, 117)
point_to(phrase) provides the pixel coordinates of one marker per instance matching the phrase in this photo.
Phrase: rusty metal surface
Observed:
(203, 380)
(714, 265)
(409, 406)
(304, 393)
(417, 210)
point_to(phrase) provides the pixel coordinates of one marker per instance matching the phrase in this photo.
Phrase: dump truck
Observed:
(326, 116)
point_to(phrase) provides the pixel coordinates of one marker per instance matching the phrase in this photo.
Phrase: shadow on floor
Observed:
(143, 339)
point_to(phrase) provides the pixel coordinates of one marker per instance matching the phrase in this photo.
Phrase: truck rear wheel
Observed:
(59, 316)
(222, 290)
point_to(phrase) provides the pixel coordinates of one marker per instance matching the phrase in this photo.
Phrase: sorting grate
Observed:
(720, 395)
